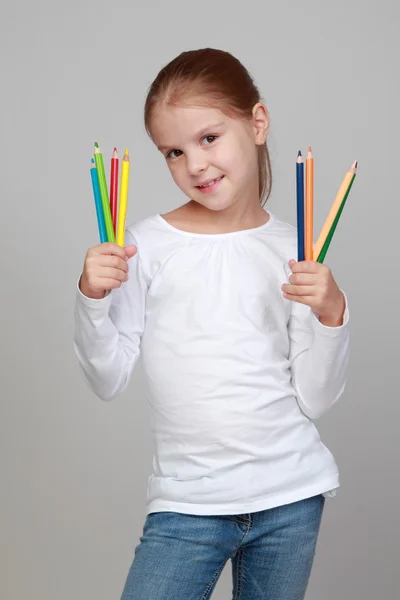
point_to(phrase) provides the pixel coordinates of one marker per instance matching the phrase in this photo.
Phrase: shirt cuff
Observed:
(94, 303)
(332, 331)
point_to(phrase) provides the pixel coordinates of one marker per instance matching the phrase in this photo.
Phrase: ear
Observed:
(260, 123)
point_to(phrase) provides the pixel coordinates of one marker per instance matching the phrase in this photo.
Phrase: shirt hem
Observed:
(245, 507)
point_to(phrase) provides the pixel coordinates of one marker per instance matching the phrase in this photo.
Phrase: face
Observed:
(212, 158)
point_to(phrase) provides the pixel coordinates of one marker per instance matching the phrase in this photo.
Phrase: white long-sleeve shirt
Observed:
(236, 374)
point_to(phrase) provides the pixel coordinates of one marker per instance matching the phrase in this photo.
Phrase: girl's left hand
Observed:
(313, 284)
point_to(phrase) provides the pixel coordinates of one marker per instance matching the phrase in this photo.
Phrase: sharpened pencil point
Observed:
(309, 149)
(96, 144)
(299, 153)
(92, 161)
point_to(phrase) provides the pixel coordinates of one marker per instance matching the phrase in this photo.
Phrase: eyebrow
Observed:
(201, 132)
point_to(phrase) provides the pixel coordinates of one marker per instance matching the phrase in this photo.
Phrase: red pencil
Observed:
(114, 188)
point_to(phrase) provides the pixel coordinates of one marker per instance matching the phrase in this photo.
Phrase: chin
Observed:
(213, 203)
(215, 206)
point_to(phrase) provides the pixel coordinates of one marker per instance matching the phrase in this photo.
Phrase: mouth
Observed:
(209, 183)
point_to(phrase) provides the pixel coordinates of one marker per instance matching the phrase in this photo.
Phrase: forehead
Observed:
(173, 124)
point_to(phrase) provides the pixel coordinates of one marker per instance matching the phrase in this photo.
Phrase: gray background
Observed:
(74, 469)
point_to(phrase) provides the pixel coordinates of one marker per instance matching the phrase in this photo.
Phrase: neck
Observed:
(234, 218)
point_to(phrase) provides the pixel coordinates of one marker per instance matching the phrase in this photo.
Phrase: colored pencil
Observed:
(309, 234)
(328, 240)
(98, 157)
(97, 200)
(123, 198)
(114, 188)
(337, 203)
(300, 206)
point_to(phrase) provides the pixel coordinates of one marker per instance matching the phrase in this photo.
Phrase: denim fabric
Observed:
(181, 556)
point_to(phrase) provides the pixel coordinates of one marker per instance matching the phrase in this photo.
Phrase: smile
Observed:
(209, 183)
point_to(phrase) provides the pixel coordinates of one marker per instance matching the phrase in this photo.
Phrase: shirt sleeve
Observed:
(108, 331)
(319, 357)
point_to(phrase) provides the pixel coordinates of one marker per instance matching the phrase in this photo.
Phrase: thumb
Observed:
(288, 267)
(130, 251)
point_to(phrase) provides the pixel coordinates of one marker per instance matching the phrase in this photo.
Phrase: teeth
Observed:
(211, 182)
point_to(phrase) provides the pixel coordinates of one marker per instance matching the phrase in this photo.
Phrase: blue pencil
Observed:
(300, 206)
(99, 206)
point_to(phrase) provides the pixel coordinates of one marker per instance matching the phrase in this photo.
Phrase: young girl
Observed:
(239, 358)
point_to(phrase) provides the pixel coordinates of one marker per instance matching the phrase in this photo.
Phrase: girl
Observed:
(239, 360)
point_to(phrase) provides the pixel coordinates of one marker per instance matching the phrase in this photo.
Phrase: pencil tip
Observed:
(126, 151)
(299, 153)
(96, 144)
(355, 164)
(92, 161)
(309, 149)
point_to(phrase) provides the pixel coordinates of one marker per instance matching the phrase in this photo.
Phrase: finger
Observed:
(298, 299)
(306, 266)
(298, 290)
(130, 251)
(110, 260)
(302, 279)
(111, 273)
(111, 249)
(106, 283)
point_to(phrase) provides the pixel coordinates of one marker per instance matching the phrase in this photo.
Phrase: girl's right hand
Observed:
(105, 268)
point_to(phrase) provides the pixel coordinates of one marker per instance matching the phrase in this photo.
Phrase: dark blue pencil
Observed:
(300, 206)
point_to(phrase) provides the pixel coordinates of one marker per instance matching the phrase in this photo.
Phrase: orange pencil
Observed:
(330, 219)
(309, 241)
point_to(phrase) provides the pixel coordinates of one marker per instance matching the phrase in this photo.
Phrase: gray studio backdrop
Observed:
(74, 469)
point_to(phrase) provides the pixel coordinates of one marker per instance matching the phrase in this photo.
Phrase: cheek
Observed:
(174, 169)
(236, 155)
(237, 165)
(248, 161)
(228, 159)
(179, 174)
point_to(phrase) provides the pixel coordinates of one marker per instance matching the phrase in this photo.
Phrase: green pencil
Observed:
(105, 201)
(329, 237)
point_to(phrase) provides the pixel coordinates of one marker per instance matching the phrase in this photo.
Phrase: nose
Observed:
(196, 162)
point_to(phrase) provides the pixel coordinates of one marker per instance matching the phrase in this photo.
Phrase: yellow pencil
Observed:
(334, 210)
(123, 199)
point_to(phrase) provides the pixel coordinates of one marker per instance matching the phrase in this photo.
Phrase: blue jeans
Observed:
(181, 556)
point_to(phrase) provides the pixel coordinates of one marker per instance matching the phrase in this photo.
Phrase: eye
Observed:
(169, 155)
(209, 138)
